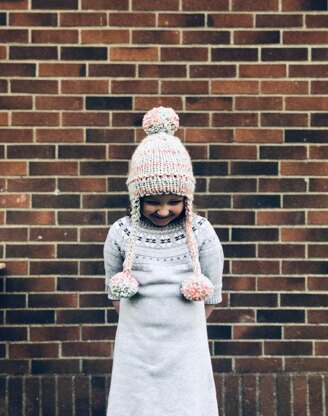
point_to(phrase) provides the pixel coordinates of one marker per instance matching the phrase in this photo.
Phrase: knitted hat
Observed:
(161, 165)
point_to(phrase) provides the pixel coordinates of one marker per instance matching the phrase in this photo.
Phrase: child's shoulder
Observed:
(120, 227)
(200, 222)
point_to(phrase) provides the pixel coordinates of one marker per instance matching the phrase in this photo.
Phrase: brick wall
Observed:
(249, 81)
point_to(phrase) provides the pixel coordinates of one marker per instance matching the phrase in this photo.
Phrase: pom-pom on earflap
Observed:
(197, 288)
(123, 284)
(160, 119)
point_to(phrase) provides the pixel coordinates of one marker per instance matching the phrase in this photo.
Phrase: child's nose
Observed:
(163, 211)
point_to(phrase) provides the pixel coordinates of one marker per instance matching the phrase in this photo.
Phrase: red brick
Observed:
(13, 168)
(305, 201)
(50, 333)
(4, 120)
(53, 234)
(212, 71)
(33, 350)
(258, 267)
(284, 87)
(104, 36)
(59, 103)
(62, 70)
(184, 54)
(308, 71)
(304, 168)
(16, 102)
(256, 5)
(13, 4)
(279, 20)
(134, 87)
(318, 317)
(236, 119)
(305, 37)
(281, 250)
(162, 71)
(281, 284)
(316, 20)
(53, 168)
(146, 102)
(4, 86)
(280, 217)
(209, 135)
(152, 5)
(91, 234)
(307, 103)
(34, 86)
(211, 5)
(319, 87)
(15, 200)
(30, 251)
(184, 87)
(234, 87)
(82, 185)
(181, 20)
(83, 19)
(302, 234)
(227, 20)
(132, 19)
(129, 54)
(285, 119)
(258, 103)
(301, 364)
(165, 37)
(39, 118)
(258, 365)
(85, 87)
(55, 36)
(209, 103)
(31, 217)
(59, 135)
(282, 185)
(259, 135)
(105, 5)
(53, 300)
(318, 283)
(33, 19)
(85, 119)
(318, 217)
(262, 71)
(13, 234)
(13, 36)
(232, 152)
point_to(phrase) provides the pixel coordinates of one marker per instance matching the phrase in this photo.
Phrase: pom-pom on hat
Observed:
(161, 165)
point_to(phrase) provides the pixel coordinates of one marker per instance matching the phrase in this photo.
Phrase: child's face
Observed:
(162, 209)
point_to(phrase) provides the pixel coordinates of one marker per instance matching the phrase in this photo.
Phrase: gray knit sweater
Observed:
(159, 247)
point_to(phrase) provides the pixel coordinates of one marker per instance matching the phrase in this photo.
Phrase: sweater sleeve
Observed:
(211, 259)
(113, 258)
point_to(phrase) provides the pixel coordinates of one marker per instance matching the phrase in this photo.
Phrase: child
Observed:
(162, 264)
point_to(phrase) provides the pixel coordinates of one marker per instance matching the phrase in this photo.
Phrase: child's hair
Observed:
(161, 165)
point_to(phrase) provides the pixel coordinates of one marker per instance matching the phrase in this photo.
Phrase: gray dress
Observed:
(162, 363)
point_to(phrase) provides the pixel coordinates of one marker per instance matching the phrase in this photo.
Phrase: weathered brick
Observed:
(33, 19)
(303, 5)
(181, 20)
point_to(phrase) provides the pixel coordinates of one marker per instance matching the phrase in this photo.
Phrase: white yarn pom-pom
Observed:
(123, 285)
(197, 288)
(160, 119)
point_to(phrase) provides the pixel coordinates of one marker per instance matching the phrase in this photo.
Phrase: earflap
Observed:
(198, 287)
(123, 284)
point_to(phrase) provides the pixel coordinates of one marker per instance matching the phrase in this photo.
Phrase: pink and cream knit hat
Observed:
(161, 165)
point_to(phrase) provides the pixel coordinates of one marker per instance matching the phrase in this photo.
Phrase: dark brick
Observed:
(33, 52)
(212, 201)
(210, 168)
(312, 300)
(284, 54)
(109, 135)
(287, 348)
(257, 332)
(56, 201)
(33, 19)
(83, 53)
(54, 267)
(112, 70)
(281, 315)
(48, 396)
(12, 301)
(306, 136)
(109, 103)
(86, 316)
(61, 366)
(256, 201)
(79, 251)
(55, 4)
(13, 333)
(31, 317)
(255, 234)
(219, 332)
(81, 218)
(232, 185)
(104, 168)
(319, 54)
(254, 168)
(234, 54)
(304, 5)
(105, 201)
(238, 348)
(253, 299)
(3, 19)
